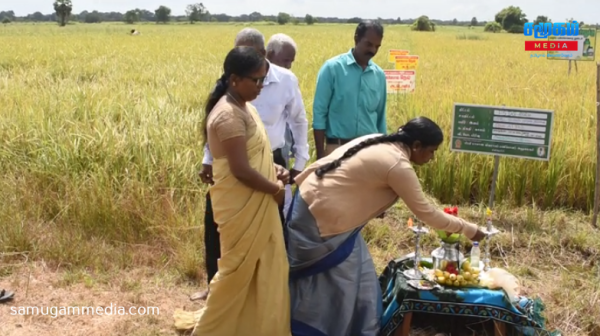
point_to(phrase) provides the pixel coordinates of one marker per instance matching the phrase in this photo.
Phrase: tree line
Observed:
(197, 14)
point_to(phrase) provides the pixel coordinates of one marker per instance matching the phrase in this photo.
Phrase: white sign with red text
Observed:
(401, 81)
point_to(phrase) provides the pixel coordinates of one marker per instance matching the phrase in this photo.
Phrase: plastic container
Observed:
(475, 255)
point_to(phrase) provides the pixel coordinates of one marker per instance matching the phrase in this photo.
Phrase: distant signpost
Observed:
(400, 81)
(396, 52)
(502, 131)
(403, 79)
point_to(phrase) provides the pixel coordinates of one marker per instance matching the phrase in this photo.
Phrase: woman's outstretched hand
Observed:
(283, 174)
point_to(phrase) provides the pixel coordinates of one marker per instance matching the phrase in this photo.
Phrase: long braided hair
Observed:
(421, 129)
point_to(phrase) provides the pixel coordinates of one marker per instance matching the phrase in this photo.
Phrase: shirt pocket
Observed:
(270, 113)
(370, 96)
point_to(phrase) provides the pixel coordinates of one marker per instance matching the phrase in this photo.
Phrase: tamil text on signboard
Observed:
(407, 62)
(400, 81)
(396, 52)
(502, 131)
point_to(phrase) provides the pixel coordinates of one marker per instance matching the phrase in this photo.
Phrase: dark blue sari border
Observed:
(333, 259)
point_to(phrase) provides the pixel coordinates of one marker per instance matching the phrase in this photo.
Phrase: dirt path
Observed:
(158, 294)
(142, 303)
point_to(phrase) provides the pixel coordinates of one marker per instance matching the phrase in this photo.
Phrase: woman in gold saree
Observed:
(249, 295)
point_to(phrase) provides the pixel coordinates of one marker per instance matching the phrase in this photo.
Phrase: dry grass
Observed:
(101, 145)
(554, 255)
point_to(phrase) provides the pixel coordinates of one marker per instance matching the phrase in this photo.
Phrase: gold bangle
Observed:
(278, 190)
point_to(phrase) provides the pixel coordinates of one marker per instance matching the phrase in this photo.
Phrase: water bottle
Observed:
(475, 253)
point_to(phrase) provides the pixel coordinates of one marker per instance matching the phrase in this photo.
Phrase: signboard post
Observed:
(597, 186)
(501, 131)
(586, 47)
(565, 31)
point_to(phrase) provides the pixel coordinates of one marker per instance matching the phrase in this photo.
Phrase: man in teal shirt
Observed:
(351, 93)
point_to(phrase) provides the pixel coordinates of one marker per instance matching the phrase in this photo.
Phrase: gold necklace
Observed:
(235, 100)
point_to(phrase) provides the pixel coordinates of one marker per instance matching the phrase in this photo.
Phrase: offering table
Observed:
(401, 301)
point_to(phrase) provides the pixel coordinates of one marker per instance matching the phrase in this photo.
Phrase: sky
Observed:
(463, 10)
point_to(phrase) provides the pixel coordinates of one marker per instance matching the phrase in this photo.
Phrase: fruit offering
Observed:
(449, 266)
(466, 276)
(447, 237)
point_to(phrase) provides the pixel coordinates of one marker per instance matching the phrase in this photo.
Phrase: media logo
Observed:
(551, 46)
(546, 29)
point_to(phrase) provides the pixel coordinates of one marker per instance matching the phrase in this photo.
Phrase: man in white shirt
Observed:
(281, 50)
(279, 102)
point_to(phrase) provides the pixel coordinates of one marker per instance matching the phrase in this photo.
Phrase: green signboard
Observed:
(503, 131)
(586, 46)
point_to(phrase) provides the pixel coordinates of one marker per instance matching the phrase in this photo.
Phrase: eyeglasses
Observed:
(258, 81)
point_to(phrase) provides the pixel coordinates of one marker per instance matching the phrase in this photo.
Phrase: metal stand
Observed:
(574, 62)
(489, 232)
(415, 274)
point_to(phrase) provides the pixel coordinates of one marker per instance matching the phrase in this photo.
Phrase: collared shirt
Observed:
(367, 184)
(280, 101)
(350, 102)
